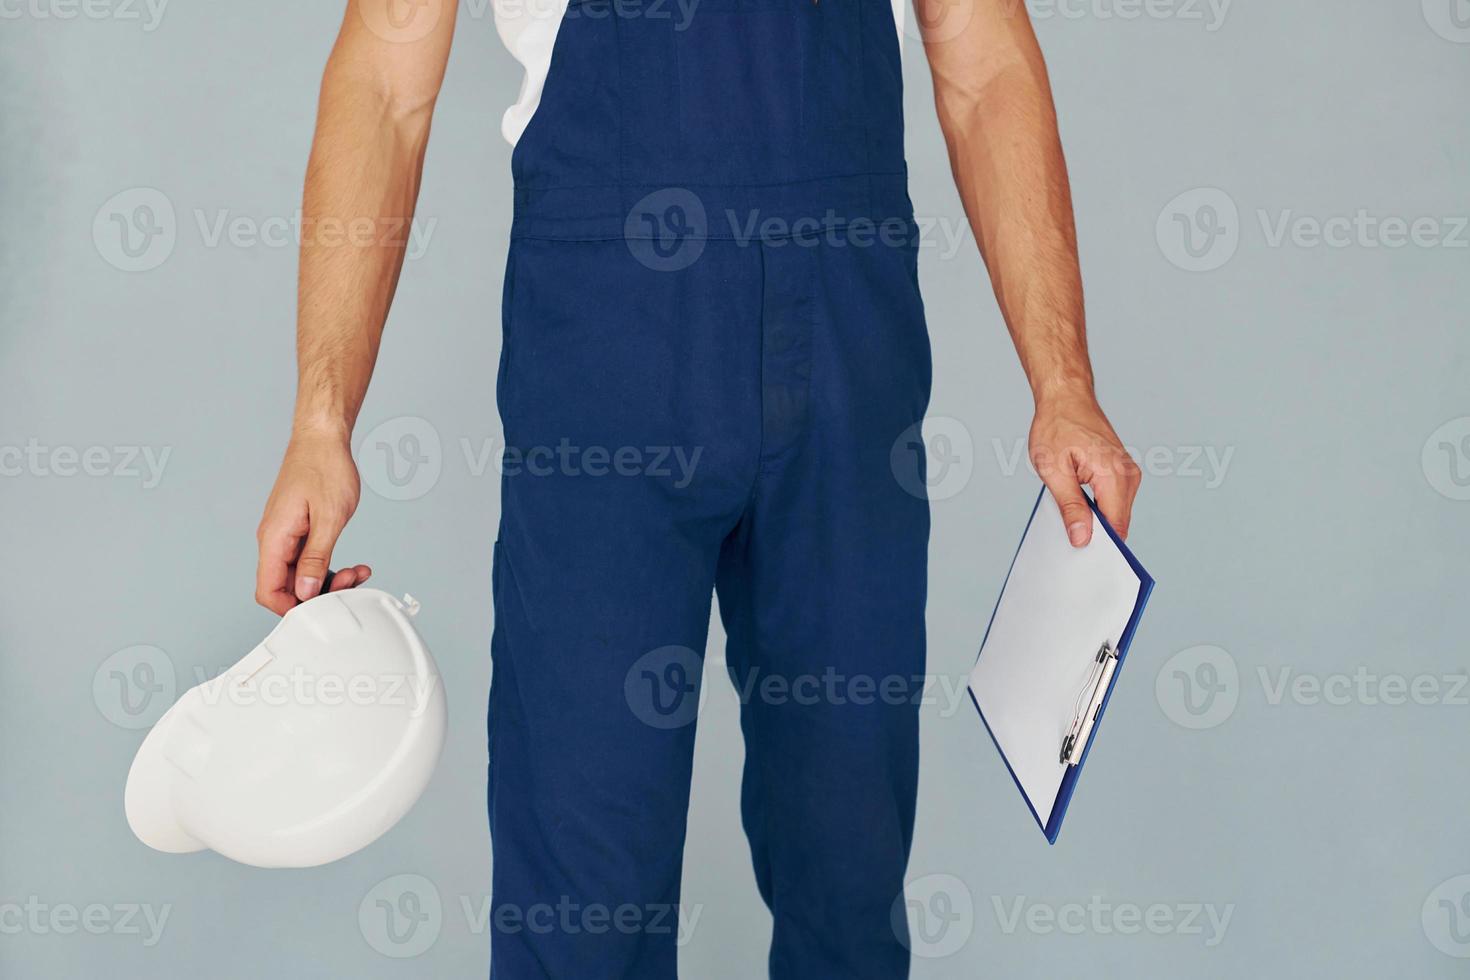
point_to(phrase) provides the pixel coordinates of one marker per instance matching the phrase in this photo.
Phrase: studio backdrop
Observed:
(1272, 205)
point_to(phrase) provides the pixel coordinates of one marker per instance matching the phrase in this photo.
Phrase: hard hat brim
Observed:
(148, 798)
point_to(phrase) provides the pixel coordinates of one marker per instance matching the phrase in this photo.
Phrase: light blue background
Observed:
(1330, 544)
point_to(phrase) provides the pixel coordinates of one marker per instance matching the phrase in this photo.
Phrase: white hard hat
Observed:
(308, 749)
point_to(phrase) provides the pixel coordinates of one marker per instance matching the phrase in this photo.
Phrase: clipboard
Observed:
(1053, 653)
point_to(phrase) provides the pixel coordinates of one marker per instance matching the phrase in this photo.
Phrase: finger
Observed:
(1076, 515)
(1115, 489)
(278, 601)
(316, 553)
(349, 577)
(280, 539)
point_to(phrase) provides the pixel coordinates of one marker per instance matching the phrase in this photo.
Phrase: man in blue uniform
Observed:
(713, 260)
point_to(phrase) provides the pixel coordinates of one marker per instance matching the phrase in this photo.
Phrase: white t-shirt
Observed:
(528, 28)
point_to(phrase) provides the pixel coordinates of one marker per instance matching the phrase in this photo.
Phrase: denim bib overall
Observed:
(714, 366)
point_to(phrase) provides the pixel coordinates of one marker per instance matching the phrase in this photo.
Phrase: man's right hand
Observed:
(314, 496)
(373, 113)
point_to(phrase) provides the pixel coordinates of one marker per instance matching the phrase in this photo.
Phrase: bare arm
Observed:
(995, 107)
(362, 181)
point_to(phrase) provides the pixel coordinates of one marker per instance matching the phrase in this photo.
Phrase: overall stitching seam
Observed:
(694, 183)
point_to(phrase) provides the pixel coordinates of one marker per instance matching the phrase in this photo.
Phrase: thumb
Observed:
(1076, 515)
(316, 555)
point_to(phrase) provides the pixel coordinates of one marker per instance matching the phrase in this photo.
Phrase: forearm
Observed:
(996, 111)
(362, 184)
(1001, 131)
(362, 181)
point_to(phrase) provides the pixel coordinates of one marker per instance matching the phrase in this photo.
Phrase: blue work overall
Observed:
(714, 357)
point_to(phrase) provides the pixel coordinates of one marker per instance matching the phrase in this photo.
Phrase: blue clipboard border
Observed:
(1053, 827)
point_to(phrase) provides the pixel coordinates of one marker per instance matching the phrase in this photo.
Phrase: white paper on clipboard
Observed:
(1058, 606)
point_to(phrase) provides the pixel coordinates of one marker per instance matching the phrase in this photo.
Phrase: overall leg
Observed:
(822, 590)
(625, 467)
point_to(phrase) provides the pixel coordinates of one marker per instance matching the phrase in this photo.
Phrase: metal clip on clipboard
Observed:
(1089, 703)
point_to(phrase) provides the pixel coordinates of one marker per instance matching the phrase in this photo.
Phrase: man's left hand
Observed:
(1072, 443)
